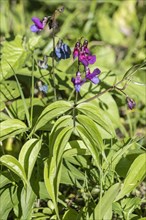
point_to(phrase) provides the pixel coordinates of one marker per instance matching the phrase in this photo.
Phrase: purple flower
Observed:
(87, 59)
(78, 81)
(38, 24)
(131, 104)
(83, 53)
(93, 76)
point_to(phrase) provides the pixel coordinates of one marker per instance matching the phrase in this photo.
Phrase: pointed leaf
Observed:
(136, 174)
(11, 127)
(13, 52)
(53, 110)
(91, 129)
(105, 202)
(52, 170)
(28, 155)
(13, 164)
(96, 115)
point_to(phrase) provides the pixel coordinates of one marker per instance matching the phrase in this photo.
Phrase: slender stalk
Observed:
(114, 87)
(53, 67)
(32, 91)
(71, 95)
(74, 110)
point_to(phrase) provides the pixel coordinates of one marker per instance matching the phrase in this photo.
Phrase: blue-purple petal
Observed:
(95, 80)
(58, 52)
(34, 28)
(77, 87)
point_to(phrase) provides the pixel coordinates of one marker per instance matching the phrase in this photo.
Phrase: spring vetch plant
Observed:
(67, 164)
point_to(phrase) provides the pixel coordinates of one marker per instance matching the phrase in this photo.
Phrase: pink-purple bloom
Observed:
(87, 59)
(93, 76)
(131, 103)
(78, 81)
(83, 54)
(38, 24)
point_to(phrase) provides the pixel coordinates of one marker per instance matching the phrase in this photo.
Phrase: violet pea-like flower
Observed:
(78, 81)
(38, 24)
(93, 76)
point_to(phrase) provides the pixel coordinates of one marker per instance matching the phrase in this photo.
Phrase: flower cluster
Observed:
(85, 57)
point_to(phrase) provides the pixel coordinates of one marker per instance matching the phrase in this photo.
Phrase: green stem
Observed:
(32, 91)
(53, 67)
(71, 95)
(114, 87)
(74, 108)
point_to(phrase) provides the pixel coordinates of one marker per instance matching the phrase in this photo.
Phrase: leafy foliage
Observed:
(68, 155)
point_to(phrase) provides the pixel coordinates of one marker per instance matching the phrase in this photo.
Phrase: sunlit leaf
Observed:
(14, 53)
(52, 170)
(28, 155)
(9, 199)
(11, 127)
(135, 175)
(14, 165)
(51, 111)
(95, 114)
(105, 202)
(9, 90)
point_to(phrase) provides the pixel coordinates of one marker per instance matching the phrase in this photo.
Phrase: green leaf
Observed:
(92, 130)
(84, 135)
(28, 155)
(8, 198)
(3, 181)
(53, 110)
(13, 164)
(105, 202)
(27, 200)
(135, 175)
(9, 90)
(52, 170)
(14, 53)
(113, 157)
(11, 127)
(70, 214)
(33, 42)
(96, 115)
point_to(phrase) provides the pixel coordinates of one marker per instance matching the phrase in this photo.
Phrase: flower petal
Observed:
(58, 52)
(91, 59)
(96, 71)
(37, 22)
(77, 87)
(34, 28)
(95, 80)
(83, 60)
